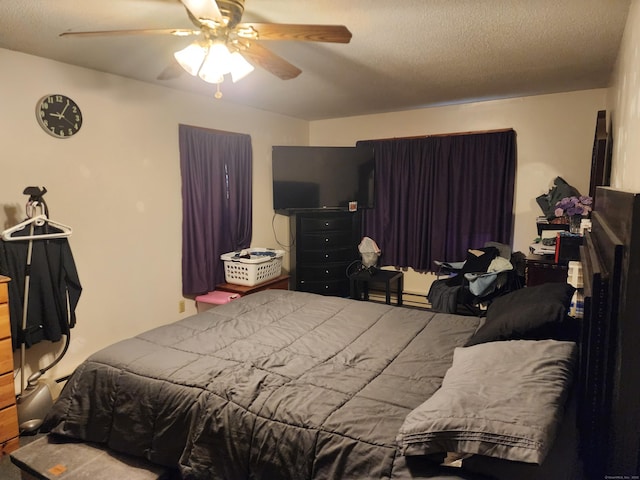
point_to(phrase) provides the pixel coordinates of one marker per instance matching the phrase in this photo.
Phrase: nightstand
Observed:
(543, 269)
(360, 284)
(279, 283)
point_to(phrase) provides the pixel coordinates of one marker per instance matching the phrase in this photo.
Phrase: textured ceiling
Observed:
(404, 53)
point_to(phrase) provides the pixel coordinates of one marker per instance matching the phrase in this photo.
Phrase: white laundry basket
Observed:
(262, 265)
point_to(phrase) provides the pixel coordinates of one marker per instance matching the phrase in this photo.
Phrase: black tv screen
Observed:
(322, 177)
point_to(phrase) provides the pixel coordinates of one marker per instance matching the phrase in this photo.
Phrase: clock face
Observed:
(59, 116)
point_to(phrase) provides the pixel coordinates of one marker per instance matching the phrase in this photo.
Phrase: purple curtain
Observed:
(216, 172)
(438, 196)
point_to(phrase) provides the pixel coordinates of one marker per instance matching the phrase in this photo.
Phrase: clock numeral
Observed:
(59, 98)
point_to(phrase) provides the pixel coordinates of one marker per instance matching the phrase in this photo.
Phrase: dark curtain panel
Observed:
(438, 196)
(216, 172)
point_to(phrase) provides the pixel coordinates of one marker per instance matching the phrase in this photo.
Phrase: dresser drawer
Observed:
(331, 287)
(8, 428)
(7, 390)
(320, 224)
(325, 240)
(5, 325)
(323, 273)
(342, 255)
(6, 356)
(4, 295)
(8, 446)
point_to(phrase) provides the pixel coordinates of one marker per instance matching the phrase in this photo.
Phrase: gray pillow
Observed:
(500, 399)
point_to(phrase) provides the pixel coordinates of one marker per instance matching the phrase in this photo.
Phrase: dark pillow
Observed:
(530, 313)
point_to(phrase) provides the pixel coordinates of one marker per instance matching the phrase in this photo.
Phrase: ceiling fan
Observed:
(225, 45)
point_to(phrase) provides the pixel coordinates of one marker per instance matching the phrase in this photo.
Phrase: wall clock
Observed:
(59, 116)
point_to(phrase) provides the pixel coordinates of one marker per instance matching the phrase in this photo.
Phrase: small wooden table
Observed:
(364, 278)
(279, 283)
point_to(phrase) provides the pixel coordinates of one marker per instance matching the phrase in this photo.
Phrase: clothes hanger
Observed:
(38, 220)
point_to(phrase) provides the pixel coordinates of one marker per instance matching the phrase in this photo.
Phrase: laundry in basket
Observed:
(252, 266)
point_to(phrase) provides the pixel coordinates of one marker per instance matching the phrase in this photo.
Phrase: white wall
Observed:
(624, 107)
(117, 183)
(554, 138)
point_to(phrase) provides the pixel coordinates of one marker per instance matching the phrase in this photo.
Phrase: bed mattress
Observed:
(277, 384)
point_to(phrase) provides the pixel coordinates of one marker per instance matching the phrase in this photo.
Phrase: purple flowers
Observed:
(574, 206)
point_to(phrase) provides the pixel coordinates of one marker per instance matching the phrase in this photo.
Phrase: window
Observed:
(438, 196)
(216, 170)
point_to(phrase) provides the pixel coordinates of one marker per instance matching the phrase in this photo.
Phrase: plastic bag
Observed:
(369, 251)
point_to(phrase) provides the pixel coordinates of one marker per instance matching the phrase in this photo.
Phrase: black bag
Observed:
(560, 190)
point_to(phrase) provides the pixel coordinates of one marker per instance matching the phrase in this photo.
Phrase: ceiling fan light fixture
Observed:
(216, 64)
(191, 57)
(240, 68)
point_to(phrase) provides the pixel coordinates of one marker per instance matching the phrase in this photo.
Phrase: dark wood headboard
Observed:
(609, 379)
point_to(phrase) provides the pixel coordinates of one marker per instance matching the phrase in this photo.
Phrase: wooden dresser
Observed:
(9, 440)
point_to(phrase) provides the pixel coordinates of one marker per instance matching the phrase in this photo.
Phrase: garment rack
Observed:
(35, 203)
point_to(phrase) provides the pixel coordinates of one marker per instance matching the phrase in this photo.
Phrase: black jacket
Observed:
(54, 288)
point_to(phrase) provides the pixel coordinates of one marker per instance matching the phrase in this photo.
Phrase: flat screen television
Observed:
(322, 178)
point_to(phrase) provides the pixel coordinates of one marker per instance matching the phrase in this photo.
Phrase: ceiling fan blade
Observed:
(179, 32)
(204, 10)
(311, 33)
(171, 71)
(265, 58)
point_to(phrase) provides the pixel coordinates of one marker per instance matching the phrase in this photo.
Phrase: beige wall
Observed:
(117, 183)
(624, 107)
(555, 138)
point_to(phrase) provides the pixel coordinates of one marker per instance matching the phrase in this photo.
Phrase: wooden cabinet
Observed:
(8, 412)
(326, 242)
(279, 283)
(543, 269)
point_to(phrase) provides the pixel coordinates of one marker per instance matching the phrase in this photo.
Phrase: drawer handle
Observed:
(326, 224)
(326, 239)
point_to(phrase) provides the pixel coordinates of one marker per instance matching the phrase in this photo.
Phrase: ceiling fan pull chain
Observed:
(218, 94)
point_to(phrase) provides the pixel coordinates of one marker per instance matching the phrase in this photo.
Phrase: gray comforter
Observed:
(274, 385)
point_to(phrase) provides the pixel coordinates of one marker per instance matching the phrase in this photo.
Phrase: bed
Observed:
(283, 384)
(293, 385)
